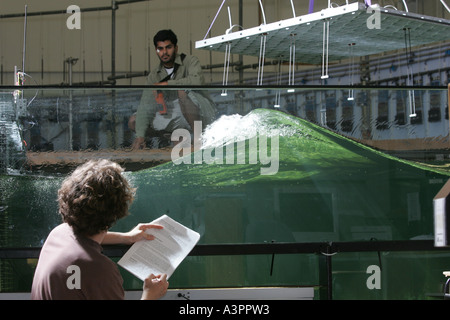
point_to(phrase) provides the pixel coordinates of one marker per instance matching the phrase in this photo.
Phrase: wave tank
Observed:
(261, 178)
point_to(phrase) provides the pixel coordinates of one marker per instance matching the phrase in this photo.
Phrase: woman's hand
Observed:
(138, 233)
(155, 287)
(132, 236)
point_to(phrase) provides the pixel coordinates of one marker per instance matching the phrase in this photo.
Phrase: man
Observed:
(163, 111)
(71, 264)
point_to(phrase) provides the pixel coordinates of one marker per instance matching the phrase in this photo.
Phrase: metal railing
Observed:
(325, 250)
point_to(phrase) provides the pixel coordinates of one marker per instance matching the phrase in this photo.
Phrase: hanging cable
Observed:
(226, 67)
(406, 7)
(311, 6)
(277, 103)
(326, 35)
(292, 50)
(229, 19)
(262, 53)
(445, 5)
(262, 11)
(409, 75)
(214, 20)
(293, 9)
(24, 39)
(229, 30)
(351, 70)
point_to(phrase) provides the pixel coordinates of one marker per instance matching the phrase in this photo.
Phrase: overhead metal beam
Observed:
(348, 24)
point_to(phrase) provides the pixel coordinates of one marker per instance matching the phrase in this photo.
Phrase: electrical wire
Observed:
(214, 20)
(37, 91)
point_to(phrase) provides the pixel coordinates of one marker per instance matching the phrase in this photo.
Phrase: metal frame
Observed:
(113, 8)
(325, 249)
(347, 24)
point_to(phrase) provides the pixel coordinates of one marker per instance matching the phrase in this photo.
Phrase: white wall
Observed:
(51, 42)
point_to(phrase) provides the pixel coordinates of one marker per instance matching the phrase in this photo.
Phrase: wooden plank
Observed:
(135, 158)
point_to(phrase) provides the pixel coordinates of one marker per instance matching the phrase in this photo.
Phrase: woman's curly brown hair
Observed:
(94, 197)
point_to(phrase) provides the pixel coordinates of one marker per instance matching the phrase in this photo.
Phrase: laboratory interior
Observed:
(306, 143)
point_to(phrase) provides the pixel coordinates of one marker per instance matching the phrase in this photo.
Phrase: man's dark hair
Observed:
(164, 35)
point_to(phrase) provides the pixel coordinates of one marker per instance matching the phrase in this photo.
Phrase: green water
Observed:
(326, 188)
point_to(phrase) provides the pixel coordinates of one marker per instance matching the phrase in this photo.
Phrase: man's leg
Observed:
(132, 122)
(190, 110)
(191, 113)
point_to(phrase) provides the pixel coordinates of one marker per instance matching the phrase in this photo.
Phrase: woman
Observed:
(71, 264)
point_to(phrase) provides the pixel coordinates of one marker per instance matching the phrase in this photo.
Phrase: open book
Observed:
(163, 254)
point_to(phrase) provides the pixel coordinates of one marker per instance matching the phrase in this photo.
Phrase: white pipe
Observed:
(406, 7)
(293, 9)
(262, 11)
(24, 39)
(326, 33)
(226, 67)
(291, 61)
(262, 52)
(445, 5)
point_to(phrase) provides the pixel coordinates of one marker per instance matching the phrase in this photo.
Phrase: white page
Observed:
(163, 254)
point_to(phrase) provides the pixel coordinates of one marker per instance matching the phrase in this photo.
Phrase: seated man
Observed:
(91, 200)
(161, 112)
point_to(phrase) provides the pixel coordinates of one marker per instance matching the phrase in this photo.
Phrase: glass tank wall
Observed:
(313, 165)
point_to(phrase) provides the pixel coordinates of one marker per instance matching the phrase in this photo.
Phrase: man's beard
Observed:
(171, 60)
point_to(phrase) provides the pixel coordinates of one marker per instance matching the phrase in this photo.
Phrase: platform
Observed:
(66, 160)
(348, 24)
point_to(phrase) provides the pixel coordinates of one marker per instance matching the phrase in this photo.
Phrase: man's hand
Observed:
(155, 287)
(138, 143)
